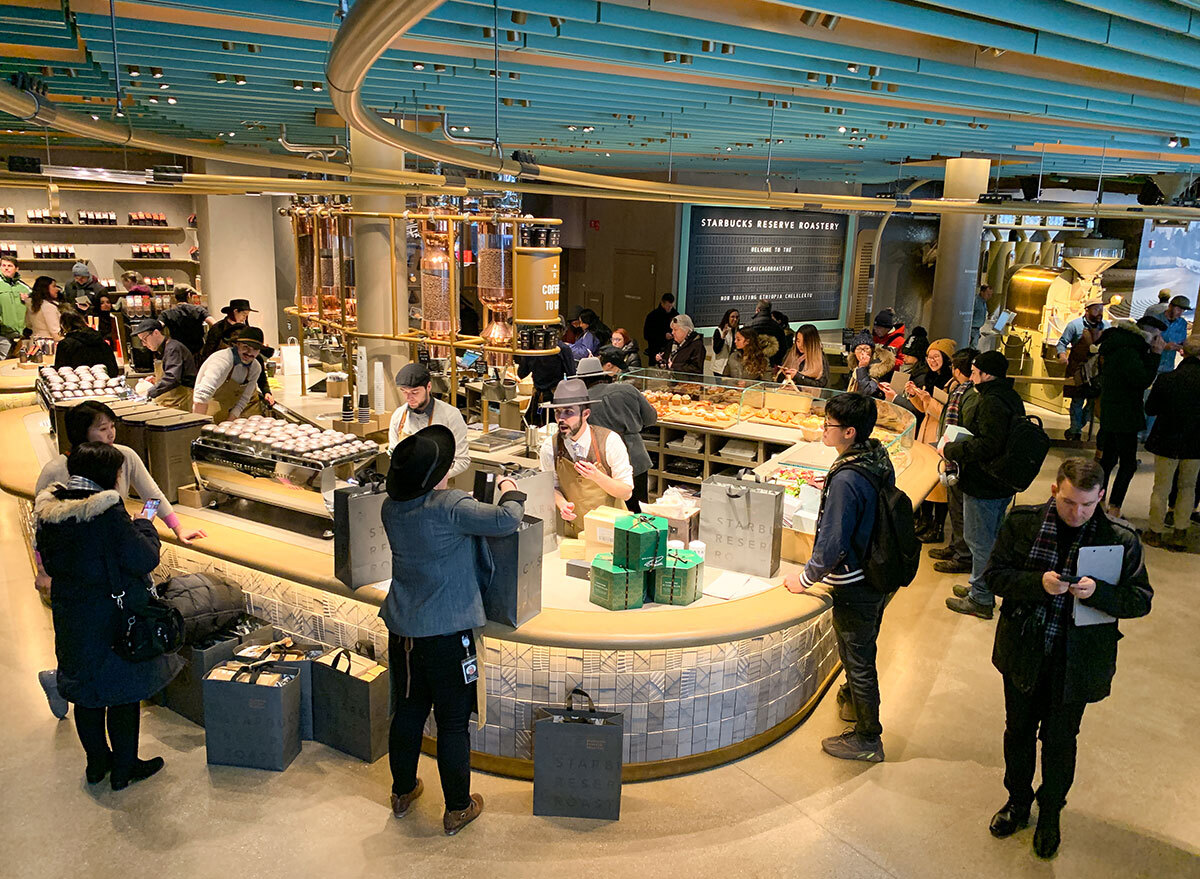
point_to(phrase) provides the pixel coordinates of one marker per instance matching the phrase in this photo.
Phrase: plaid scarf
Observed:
(1043, 556)
(954, 403)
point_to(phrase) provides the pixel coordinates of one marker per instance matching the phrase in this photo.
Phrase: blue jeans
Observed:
(1081, 413)
(981, 524)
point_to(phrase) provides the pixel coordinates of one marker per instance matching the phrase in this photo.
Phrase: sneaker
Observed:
(49, 681)
(452, 822)
(953, 566)
(942, 553)
(851, 746)
(965, 605)
(961, 591)
(1154, 539)
(402, 803)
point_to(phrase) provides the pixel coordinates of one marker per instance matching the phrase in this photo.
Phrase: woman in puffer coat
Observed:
(96, 555)
(870, 365)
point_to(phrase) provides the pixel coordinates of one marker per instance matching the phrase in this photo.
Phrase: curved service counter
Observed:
(698, 685)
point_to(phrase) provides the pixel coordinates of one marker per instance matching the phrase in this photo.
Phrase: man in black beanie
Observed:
(985, 498)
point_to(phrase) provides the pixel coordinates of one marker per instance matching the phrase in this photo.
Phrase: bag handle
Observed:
(253, 670)
(571, 699)
(338, 654)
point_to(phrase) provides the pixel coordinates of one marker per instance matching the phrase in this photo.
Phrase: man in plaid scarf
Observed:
(1053, 667)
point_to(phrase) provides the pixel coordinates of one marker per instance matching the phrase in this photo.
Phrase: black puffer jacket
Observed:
(989, 423)
(92, 551)
(1127, 367)
(85, 347)
(1174, 398)
(207, 603)
(1091, 657)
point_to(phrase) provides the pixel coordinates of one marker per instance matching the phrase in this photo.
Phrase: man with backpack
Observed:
(187, 320)
(864, 550)
(987, 486)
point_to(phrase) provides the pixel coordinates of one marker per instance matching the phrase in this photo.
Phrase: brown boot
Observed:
(452, 822)
(401, 804)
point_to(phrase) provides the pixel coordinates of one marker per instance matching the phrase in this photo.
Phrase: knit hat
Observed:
(993, 363)
(886, 318)
(80, 270)
(863, 338)
(946, 346)
(916, 345)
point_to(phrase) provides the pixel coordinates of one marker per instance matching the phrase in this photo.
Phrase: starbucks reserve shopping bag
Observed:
(293, 651)
(252, 715)
(577, 761)
(514, 595)
(350, 701)
(741, 524)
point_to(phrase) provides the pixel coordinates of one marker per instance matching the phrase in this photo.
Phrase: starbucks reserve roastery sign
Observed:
(737, 256)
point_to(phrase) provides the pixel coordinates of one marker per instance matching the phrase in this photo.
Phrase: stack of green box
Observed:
(681, 579)
(624, 578)
(614, 586)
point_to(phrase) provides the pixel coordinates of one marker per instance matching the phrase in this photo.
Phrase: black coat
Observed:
(1091, 651)
(85, 348)
(92, 550)
(633, 357)
(689, 356)
(765, 325)
(989, 422)
(1174, 399)
(1127, 367)
(655, 329)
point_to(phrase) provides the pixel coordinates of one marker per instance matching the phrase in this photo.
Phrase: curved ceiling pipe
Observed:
(25, 106)
(324, 151)
(371, 26)
(458, 138)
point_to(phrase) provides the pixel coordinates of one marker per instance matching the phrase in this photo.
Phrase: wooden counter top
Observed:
(765, 612)
(16, 379)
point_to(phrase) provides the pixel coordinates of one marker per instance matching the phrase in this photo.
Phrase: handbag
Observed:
(148, 632)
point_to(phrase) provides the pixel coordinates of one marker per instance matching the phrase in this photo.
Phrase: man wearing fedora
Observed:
(1074, 348)
(433, 611)
(226, 381)
(626, 412)
(590, 464)
(421, 409)
(237, 314)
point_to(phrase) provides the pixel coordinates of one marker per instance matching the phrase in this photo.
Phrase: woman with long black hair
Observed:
(42, 317)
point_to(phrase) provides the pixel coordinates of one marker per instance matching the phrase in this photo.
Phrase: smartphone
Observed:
(150, 510)
(1071, 580)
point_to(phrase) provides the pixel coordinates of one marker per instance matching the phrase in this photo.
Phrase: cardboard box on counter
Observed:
(600, 525)
(361, 428)
(685, 528)
(197, 498)
(337, 387)
(572, 548)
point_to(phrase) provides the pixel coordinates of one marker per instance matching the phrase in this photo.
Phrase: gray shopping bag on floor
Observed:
(741, 524)
(252, 715)
(577, 761)
(351, 704)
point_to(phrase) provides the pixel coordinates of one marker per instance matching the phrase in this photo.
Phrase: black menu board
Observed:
(736, 256)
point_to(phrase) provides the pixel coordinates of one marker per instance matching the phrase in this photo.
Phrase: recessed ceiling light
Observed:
(297, 85)
(94, 116)
(221, 78)
(317, 87)
(829, 22)
(439, 68)
(853, 68)
(1173, 142)
(164, 86)
(238, 79)
(153, 100)
(466, 129)
(518, 18)
(570, 128)
(172, 101)
(120, 115)
(726, 48)
(810, 17)
(417, 65)
(670, 57)
(454, 128)
(841, 129)
(608, 154)
(156, 72)
(134, 70)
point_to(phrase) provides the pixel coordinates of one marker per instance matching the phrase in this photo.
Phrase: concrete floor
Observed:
(786, 811)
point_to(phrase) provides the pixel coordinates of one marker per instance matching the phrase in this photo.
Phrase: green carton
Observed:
(640, 541)
(614, 586)
(681, 580)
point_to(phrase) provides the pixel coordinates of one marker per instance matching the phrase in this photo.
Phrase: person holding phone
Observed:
(99, 561)
(92, 421)
(1053, 666)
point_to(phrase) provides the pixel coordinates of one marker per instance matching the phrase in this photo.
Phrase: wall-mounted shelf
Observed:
(190, 266)
(46, 263)
(55, 233)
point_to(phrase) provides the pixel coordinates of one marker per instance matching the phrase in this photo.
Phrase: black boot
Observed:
(142, 769)
(1009, 820)
(1047, 836)
(922, 521)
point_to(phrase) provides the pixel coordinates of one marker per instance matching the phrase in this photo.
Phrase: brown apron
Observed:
(583, 493)
(1077, 359)
(178, 397)
(226, 397)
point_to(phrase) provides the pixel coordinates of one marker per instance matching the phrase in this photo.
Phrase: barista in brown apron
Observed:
(589, 480)
(183, 365)
(225, 400)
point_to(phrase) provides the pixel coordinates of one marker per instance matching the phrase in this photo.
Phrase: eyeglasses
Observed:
(829, 424)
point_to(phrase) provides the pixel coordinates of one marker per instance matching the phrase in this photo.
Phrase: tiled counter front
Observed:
(677, 703)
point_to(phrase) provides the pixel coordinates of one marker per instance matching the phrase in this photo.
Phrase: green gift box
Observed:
(614, 586)
(640, 541)
(681, 579)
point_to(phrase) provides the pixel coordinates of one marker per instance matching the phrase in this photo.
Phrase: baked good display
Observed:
(278, 440)
(79, 383)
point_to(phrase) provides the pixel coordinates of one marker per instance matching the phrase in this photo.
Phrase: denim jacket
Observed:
(440, 560)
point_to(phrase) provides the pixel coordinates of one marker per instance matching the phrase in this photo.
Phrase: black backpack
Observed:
(893, 553)
(185, 328)
(1025, 450)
